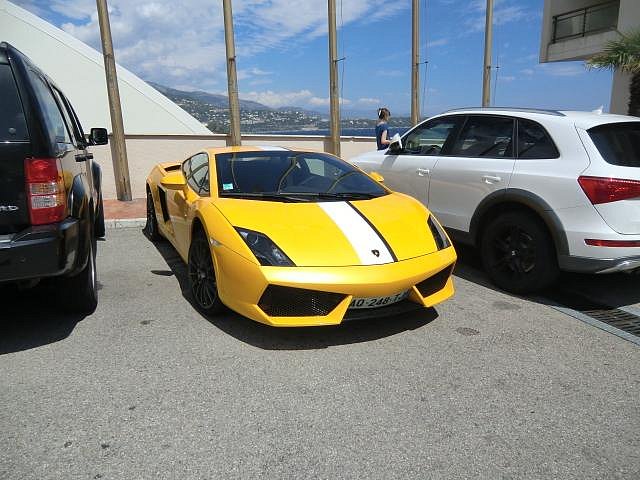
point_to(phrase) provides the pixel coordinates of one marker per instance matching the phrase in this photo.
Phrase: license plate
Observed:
(376, 302)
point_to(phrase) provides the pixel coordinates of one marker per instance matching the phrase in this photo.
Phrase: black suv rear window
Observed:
(13, 127)
(618, 143)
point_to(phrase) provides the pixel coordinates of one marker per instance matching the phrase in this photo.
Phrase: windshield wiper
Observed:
(265, 196)
(346, 195)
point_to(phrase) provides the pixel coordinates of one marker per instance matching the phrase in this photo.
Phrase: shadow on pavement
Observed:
(32, 318)
(574, 290)
(272, 338)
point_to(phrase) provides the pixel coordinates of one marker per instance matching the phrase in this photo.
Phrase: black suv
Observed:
(50, 198)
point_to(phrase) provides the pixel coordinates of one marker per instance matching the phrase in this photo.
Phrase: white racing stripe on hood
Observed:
(364, 239)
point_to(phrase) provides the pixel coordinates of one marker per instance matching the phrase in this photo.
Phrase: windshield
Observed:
(292, 176)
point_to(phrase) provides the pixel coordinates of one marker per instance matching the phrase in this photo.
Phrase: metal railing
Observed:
(585, 21)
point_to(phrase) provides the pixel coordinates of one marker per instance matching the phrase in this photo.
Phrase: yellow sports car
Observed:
(296, 238)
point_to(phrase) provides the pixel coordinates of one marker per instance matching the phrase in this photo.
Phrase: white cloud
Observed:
(503, 13)
(506, 78)
(182, 42)
(324, 102)
(368, 101)
(438, 43)
(279, 99)
(527, 71)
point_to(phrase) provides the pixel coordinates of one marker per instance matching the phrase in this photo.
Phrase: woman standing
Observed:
(382, 129)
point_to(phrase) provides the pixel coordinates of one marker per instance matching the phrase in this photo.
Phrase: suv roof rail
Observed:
(504, 109)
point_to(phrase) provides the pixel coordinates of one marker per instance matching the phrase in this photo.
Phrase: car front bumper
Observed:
(242, 284)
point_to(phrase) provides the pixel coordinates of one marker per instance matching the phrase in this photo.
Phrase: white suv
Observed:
(537, 191)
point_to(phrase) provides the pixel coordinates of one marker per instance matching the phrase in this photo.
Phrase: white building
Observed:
(78, 69)
(579, 29)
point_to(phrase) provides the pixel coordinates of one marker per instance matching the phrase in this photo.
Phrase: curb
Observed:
(125, 223)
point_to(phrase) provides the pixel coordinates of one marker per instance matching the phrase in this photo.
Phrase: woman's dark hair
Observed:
(383, 113)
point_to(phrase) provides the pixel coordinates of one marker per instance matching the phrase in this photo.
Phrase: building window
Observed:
(593, 19)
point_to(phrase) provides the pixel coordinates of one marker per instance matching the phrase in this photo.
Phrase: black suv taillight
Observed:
(46, 195)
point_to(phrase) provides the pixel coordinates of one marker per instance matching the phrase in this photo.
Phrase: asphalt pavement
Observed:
(486, 385)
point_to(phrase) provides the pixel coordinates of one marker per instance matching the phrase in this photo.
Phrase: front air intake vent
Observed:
(277, 301)
(435, 282)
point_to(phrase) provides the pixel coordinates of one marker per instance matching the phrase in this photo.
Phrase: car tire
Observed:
(151, 228)
(80, 292)
(203, 285)
(99, 228)
(518, 253)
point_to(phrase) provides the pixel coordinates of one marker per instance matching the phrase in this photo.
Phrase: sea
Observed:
(345, 132)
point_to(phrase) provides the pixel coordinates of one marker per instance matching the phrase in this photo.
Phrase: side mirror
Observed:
(377, 177)
(173, 181)
(99, 136)
(395, 147)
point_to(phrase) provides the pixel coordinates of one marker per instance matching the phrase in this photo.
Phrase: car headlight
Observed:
(267, 252)
(442, 241)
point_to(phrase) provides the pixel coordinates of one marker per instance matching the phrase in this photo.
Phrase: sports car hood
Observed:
(364, 232)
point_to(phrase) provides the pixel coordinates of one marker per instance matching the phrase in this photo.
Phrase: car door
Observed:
(479, 163)
(409, 170)
(181, 202)
(82, 158)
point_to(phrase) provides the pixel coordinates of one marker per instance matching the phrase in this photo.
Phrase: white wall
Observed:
(78, 70)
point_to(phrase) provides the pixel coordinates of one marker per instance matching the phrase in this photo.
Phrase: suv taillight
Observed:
(46, 195)
(605, 190)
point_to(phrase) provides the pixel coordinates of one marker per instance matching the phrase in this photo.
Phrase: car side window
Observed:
(485, 136)
(430, 137)
(53, 118)
(196, 173)
(534, 141)
(71, 127)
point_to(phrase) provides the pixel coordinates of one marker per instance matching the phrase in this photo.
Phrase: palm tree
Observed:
(623, 54)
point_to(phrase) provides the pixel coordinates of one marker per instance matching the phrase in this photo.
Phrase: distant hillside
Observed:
(212, 110)
(212, 99)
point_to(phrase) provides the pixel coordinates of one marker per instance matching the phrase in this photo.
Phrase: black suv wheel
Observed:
(81, 291)
(518, 253)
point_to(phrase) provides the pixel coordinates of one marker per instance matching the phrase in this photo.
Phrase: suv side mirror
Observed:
(99, 136)
(395, 147)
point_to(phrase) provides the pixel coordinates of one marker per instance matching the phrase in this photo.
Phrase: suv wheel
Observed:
(202, 276)
(518, 253)
(151, 228)
(81, 290)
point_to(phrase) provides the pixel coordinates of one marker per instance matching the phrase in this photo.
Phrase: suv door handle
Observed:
(423, 172)
(83, 157)
(491, 179)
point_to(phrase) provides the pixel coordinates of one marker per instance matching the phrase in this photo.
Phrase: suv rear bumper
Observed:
(42, 251)
(599, 265)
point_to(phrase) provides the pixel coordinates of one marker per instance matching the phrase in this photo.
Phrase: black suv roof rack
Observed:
(504, 109)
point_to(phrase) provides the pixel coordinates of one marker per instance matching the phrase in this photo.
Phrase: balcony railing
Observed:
(593, 19)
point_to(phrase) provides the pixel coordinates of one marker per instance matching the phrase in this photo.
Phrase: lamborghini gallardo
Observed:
(297, 238)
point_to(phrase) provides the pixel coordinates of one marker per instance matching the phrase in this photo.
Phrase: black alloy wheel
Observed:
(518, 253)
(202, 276)
(151, 228)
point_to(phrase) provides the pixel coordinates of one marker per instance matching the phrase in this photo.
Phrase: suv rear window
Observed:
(618, 143)
(13, 127)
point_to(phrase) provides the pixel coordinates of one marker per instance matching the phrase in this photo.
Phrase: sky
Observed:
(282, 51)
